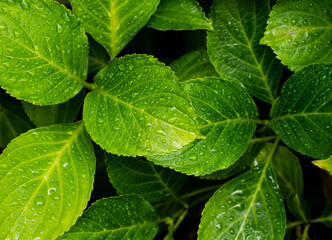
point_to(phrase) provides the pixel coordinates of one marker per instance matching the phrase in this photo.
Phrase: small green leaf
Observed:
(195, 64)
(288, 170)
(226, 116)
(98, 57)
(326, 216)
(137, 175)
(302, 114)
(43, 52)
(13, 120)
(139, 109)
(53, 114)
(124, 217)
(46, 178)
(113, 23)
(233, 46)
(249, 206)
(179, 15)
(298, 207)
(300, 32)
(324, 164)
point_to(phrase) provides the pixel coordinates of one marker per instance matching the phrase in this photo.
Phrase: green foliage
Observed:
(216, 115)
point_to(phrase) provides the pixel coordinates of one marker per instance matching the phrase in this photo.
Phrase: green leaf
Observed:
(52, 114)
(124, 217)
(249, 206)
(113, 23)
(288, 170)
(98, 57)
(298, 207)
(233, 46)
(138, 108)
(179, 15)
(195, 64)
(326, 216)
(324, 164)
(226, 116)
(300, 32)
(46, 176)
(302, 114)
(43, 51)
(137, 175)
(13, 120)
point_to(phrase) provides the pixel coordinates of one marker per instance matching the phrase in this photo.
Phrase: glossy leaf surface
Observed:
(302, 114)
(325, 164)
(179, 15)
(46, 178)
(124, 217)
(53, 114)
(226, 115)
(13, 120)
(300, 32)
(233, 46)
(137, 175)
(113, 23)
(139, 108)
(43, 51)
(298, 207)
(195, 64)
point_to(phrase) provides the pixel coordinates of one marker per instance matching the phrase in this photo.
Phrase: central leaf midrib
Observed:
(300, 115)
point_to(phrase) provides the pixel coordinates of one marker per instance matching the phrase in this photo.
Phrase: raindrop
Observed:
(3, 26)
(121, 67)
(66, 17)
(134, 95)
(59, 29)
(25, 4)
(40, 200)
(192, 156)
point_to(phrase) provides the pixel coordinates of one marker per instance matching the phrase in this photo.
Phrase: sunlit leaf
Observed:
(325, 164)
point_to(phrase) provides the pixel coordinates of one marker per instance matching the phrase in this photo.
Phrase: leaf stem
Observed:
(172, 227)
(89, 86)
(261, 122)
(199, 191)
(261, 139)
(305, 231)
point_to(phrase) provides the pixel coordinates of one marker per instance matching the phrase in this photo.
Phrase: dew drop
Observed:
(192, 156)
(121, 67)
(25, 4)
(3, 26)
(59, 29)
(66, 17)
(39, 200)
(134, 95)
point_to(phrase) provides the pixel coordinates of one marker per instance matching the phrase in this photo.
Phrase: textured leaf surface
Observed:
(53, 114)
(249, 206)
(233, 46)
(136, 175)
(98, 57)
(113, 23)
(324, 164)
(288, 170)
(298, 207)
(139, 108)
(195, 64)
(179, 15)
(124, 217)
(13, 120)
(46, 178)
(43, 51)
(226, 115)
(326, 216)
(302, 114)
(300, 32)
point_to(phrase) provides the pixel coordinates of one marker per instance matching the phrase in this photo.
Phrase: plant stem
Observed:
(305, 232)
(173, 227)
(199, 191)
(261, 122)
(89, 86)
(261, 139)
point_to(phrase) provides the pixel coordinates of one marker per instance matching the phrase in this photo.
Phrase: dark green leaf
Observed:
(300, 32)
(124, 217)
(302, 114)
(46, 178)
(326, 216)
(137, 175)
(98, 57)
(298, 207)
(226, 116)
(179, 15)
(43, 51)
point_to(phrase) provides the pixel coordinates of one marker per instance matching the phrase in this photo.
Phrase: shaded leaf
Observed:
(113, 23)
(326, 216)
(139, 108)
(324, 164)
(302, 114)
(44, 51)
(226, 115)
(98, 57)
(124, 217)
(233, 46)
(46, 176)
(298, 206)
(300, 32)
(179, 15)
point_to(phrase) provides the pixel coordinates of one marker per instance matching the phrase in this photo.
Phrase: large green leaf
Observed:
(52, 114)
(325, 164)
(233, 46)
(137, 175)
(125, 217)
(298, 207)
(226, 116)
(46, 178)
(138, 108)
(13, 120)
(43, 51)
(249, 206)
(300, 32)
(195, 64)
(179, 15)
(302, 114)
(113, 23)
